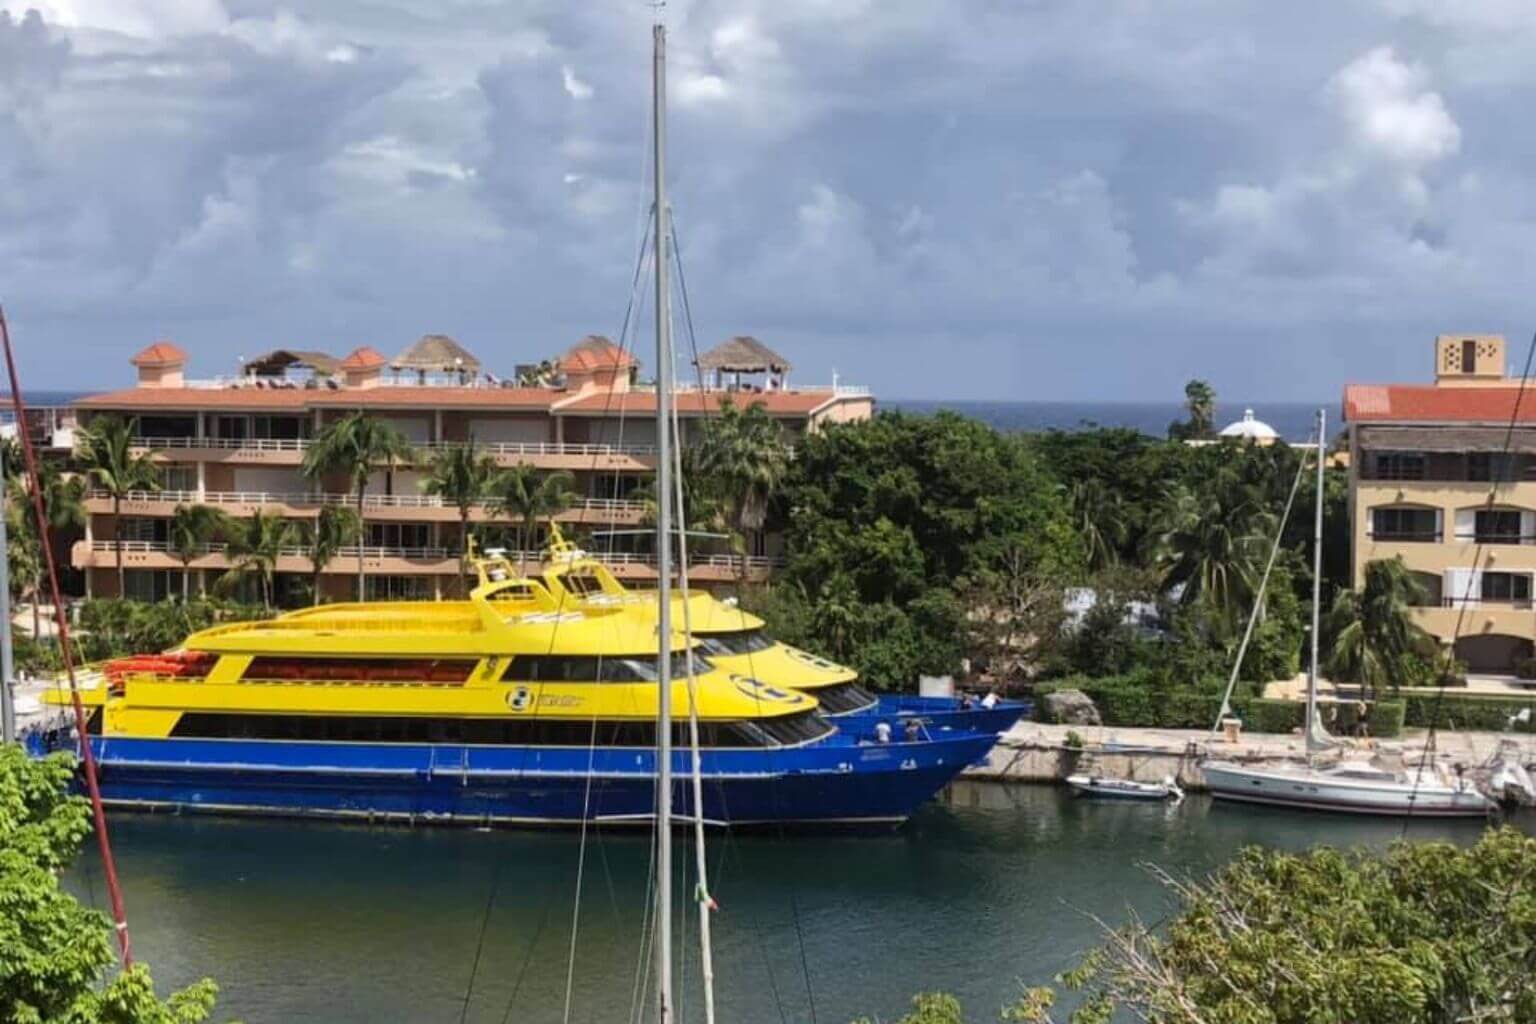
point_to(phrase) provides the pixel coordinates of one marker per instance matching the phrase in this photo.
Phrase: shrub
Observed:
(1073, 741)
(1424, 709)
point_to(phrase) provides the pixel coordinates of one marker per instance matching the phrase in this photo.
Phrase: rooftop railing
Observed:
(299, 444)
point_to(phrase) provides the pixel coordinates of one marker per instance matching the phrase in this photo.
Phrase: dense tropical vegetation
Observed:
(354, 447)
(1426, 933)
(56, 957)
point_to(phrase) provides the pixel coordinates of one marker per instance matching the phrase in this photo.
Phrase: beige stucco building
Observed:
(237, 443)
(1444, 476)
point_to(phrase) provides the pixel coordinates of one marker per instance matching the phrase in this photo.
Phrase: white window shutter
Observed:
(1527, 525)
(1466, 523)
(1463, 586)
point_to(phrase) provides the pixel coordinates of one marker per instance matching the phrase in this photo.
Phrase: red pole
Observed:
(87, 756)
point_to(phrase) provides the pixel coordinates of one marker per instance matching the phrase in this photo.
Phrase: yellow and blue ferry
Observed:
(738, 642)
(506, 707)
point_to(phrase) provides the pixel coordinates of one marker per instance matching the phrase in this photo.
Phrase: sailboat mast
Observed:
(1317, 580)
(663, 535)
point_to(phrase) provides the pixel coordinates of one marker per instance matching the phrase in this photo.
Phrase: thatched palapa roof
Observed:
(743, 354)
(437, 353)
(280, 359)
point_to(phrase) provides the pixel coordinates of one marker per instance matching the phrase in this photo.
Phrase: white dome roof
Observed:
(1250, 428)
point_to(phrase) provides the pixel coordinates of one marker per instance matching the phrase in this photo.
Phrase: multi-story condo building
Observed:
(237, 443)
(1444, 476)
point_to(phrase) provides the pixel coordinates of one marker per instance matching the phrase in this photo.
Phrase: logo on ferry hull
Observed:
(520, 699)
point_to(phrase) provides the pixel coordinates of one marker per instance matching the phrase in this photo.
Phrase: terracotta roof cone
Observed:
(594, 361)
(364, 357)
(160, 365)
(437, 353)
(744, 354)
(161, 353)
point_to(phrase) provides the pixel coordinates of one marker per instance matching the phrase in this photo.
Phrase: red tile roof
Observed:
(1422, 403)
(595, 352)
(363, 357)
(161, 353)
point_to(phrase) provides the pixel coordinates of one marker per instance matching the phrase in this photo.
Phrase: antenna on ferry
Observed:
(664, 1008)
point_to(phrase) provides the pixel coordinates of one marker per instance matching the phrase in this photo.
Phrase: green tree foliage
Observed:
(253, 547)
(1427, 933)
(190, 529)
(526, 495)
(105, 451)
(56, 959)
(334, 528)
(111, 628)
(1371, 636)
(888, 521)
(1200, 405)
(743, 460)
(354, 446)
(462, 476)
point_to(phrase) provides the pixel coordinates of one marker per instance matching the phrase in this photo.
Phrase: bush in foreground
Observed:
(54, 952)
(1426, 933)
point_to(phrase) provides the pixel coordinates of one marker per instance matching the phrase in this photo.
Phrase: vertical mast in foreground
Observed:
(1313, 741)
(663, 536)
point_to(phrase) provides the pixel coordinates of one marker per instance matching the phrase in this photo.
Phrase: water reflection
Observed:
(992, 888)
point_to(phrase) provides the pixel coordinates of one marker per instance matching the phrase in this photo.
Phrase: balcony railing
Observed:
(1496, 603)
(435, 554)
(1405, 536)
(299, 444)
(306, 499)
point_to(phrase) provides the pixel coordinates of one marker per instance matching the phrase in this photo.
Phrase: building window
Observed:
(1490, 466)
(178, 478)
(1405, 524)
(234, 428)
(1399, 466)
(151, 585)
(399, 535)
(1469, 356)
(398, 588)
(1507, 586)
(1498, 526)
(279, 428)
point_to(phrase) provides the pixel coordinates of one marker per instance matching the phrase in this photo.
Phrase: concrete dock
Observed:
(1035, 752)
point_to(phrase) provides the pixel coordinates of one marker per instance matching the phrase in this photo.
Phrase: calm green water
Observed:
(337, 923)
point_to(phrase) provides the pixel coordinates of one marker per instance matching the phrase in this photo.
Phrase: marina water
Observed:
(991, 889)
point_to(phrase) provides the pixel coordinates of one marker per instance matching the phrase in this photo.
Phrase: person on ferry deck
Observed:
(914, 730)
(882, 732)
(989, 701)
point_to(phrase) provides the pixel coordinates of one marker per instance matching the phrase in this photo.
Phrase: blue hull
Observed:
(830, 782)
(939, 715)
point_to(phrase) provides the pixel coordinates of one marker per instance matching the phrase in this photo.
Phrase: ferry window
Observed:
(446, 671)
(583, 584)
(843, 698)
(577, 669)
(792, 729)
(747, 641)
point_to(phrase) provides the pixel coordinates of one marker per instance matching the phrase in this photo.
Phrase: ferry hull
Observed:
(1278, 789)
(819, 785)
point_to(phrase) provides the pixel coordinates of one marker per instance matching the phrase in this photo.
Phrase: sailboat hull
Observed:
(830, 783)
(1315, 791)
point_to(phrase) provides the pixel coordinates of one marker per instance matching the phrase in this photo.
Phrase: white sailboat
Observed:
(1349, 786)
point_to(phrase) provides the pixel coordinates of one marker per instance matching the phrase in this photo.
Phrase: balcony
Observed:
(290, 452)
(395, 561)
(1404, 536)
(398, 507)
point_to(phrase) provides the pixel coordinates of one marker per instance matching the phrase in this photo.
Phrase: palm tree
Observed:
(353, 445)
(743, 459)
(333, 529)
(1200, 403)
(106, 453)
(254, 546)
(526, 495)
(190, 529)
(462, 477)
(1213, 548)
(1100, 518)
(1374, 639)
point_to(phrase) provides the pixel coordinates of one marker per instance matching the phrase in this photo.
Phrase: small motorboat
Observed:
(1107, 788)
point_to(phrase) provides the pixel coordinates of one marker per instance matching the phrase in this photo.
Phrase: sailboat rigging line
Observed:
(522, 971)
(708, 412)
(1465, 600)
(581, 865)
(61, 620)
(485, 923)
(1258, 600)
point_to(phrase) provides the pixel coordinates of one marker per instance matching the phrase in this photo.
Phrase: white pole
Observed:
(664, 542)
(1317, 580)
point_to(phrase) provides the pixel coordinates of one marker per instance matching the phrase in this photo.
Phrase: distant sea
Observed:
(1293, 420)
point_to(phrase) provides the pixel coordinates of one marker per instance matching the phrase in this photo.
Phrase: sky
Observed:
(1031, 199)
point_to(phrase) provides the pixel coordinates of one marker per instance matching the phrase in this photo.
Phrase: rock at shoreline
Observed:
(1071, 707)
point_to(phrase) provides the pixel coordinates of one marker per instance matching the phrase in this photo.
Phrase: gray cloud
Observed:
(999, 200)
